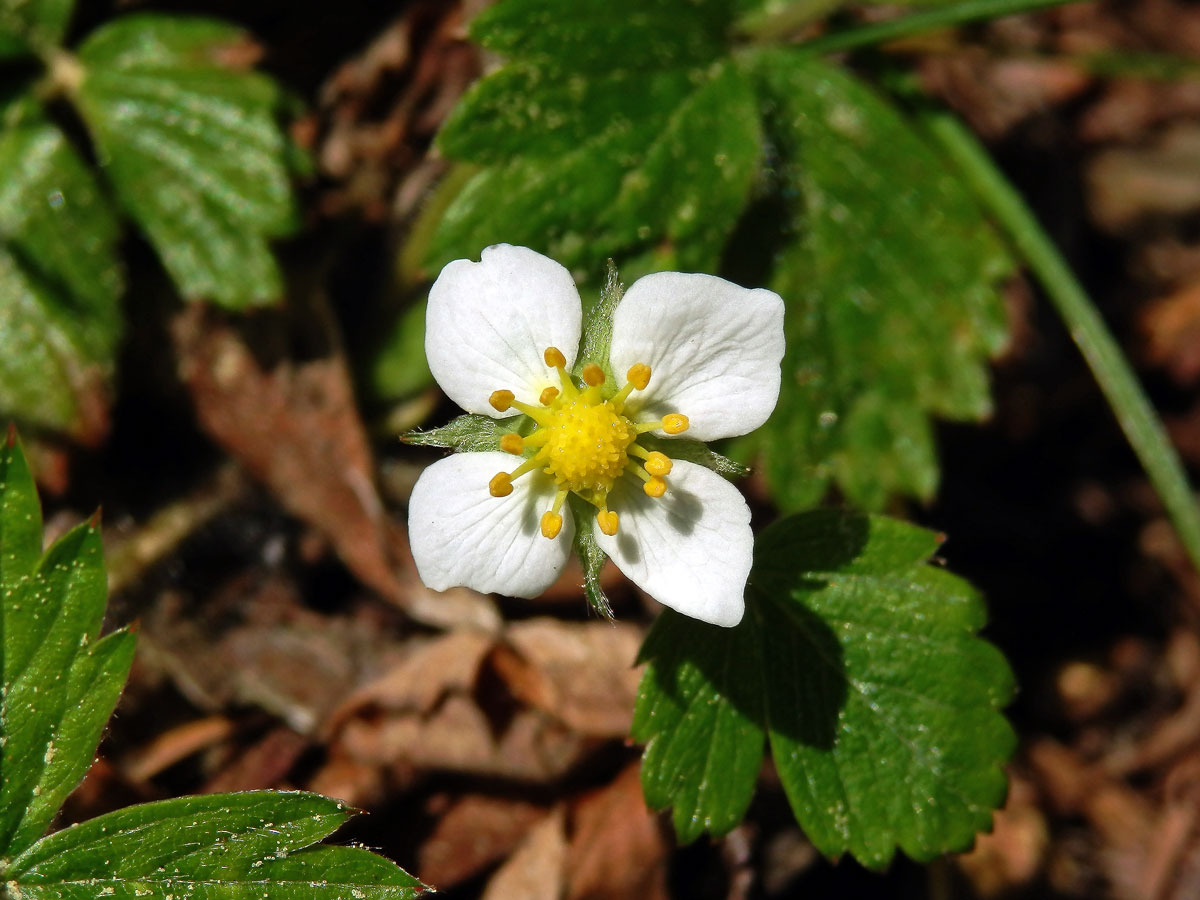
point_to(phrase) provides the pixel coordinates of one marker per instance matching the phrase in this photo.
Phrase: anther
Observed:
(512, 443)
(607, 520)
(500, 485)
(657, 463)
(551, 524)
(638, 375)
(554, 358)
(593, 375)
(501, 400)
(548, 395)
(675, 423)
(655, 487)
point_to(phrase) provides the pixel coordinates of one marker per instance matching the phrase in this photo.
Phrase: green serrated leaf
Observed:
(892, 292)
(549, 205)
(591, 35)
(33, 26)
(882, 653)
(60, 281)
(699, 712)
(183, 837)
(20, 518)
(60, 682)
(164, 104)
(586, 165)
(335, 873)
(860, 663)
(695, 178)
(541, 112)
(222, 846)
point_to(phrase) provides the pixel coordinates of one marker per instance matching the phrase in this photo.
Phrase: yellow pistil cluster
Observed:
(584, 441)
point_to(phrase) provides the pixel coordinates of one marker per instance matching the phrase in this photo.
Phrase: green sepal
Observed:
(596, 343)
(591, 557)
(694, 452)
(467, 434)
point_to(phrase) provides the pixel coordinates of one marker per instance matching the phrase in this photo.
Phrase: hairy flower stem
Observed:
(1134, 413)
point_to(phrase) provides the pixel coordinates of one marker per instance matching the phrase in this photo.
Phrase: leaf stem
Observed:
(1129, 403)
(904, 26)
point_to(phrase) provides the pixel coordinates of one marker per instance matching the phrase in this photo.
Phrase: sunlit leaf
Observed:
(192, 145)
(891, 278)
(60, 281)
(860, 663)
(61, 681)
(32, 26)
(657, 147)
(248, 846)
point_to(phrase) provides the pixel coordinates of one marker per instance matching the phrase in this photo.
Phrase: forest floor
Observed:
(254, 498)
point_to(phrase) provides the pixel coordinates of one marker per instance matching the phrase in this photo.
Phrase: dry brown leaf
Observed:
(581, 673)
(535, 871)
(617, 846)
(252, 641)
(1128, 184)
(1172, 333)
(294, 426)
(459, 738)
(446, 664)
(176, 744)
(352, 781)
(472, 833)
(264, 765)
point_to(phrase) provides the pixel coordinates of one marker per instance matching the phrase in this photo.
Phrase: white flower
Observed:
(698, 353)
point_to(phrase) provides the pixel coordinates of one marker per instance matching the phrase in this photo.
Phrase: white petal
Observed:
(489, 322)
(713, 349)
(463, 536)
(690, 549)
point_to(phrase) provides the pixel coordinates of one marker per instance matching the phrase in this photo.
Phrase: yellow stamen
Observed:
(501, 400)
(551, 524)
(529, 465)
(607, 520)
(500, 485)
(569, 390)
(675, 423)
(658, 463)
(593, 375)
(634, 469)
(584, 441)
(538, 438)
(639, 375)
(537, 413)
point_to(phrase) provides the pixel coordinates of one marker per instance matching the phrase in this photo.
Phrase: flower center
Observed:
(586, 444)
(584, 441)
